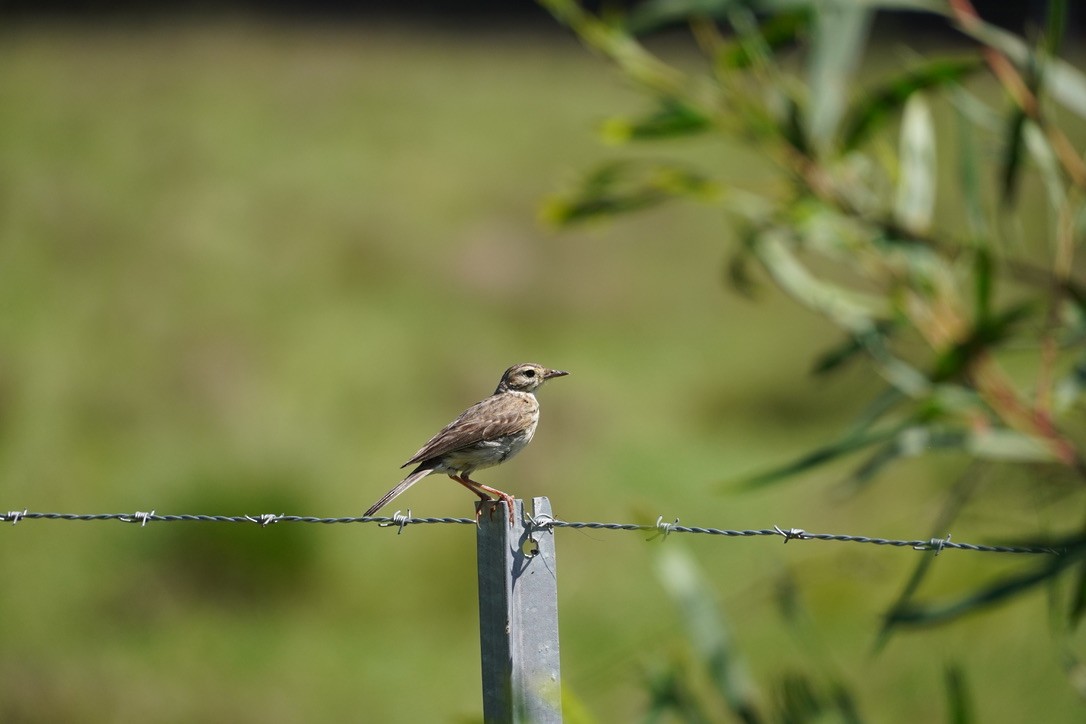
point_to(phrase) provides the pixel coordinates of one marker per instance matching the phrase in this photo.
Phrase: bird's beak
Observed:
(554, 373)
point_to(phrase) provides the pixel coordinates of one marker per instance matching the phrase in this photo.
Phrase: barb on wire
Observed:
(14, 515)
(660, 528)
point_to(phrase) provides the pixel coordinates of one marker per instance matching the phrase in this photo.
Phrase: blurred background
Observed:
(250, 259)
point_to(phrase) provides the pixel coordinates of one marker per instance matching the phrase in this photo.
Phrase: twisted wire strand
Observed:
(660, 529)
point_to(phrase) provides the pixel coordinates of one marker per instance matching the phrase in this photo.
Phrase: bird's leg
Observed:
(470, 485)
(465, 480)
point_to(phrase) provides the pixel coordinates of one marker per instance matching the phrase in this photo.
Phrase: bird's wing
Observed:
(494, 417)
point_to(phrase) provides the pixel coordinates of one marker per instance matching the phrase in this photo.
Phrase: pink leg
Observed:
(465, 480)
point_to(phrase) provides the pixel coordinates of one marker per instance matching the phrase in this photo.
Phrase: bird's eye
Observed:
(529, 373)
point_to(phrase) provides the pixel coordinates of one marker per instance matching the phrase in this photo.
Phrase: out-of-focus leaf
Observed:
(1004, 444)
(932, 6)
(1012, 157)
(654, 15)
(931, 614)
(969, 172)
(1078, 596)
(1065, 83)
(739, 276)
(915, 201)
(793, 128)
(982, 285)
(854, 312)
(910, 442)
(834, 358)
(671, 119)
(617, 188)
(778, 31)
(798, 697)
(1070, 388)
(817, 457)
(839, 33)
(707, 630)
(1045, 159)
(1055, 26)
(986, 334)
(801, 699)
(1075, 671)
(881, 103)
(845, 703)
(615, 42)
(960, 494)
(959, 702)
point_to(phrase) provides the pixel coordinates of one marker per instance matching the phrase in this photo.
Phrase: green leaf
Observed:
(1045, 159)
(1070, 388)
(910, 442)
(672, 118)
(655, 15)
(836, 357)
(1009, 445)
(622, 187)
(1003, 589)
(1055, 26)
(852, 311)
(1065, 83)
(959, 702)
(969, 171)
(982, 285)
(1078, 595)
(778, 31)
(960, 494)
(707, 630)
(915, 200)
(839, 34)
(816, 458)
(989, 332)
(883, 102)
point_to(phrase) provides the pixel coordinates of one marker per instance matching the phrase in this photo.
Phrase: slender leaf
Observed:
(1065, 83)
(912, 441)
(1012, 156)
(617, 188)
(839, 34)
(960, 494)
(1070, 388)
(1045, 159)
(987, 333)
(915, 202)
(655, 15)
(917, 614)
(1055, 26)
(818, 457)
(959, 702)
(969, 172)
(852, 311)
(982, 286)
(1078, 595)
(778, 31)
(883, 102)
(671, 119)
(707, 630)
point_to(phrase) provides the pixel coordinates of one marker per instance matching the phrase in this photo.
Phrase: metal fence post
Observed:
(518, 615)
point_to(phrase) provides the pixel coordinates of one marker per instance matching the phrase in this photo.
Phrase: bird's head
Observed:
(526, 377)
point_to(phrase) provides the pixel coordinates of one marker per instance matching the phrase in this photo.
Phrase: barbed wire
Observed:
(660, 528)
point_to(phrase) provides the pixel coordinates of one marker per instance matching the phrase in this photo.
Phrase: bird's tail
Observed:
(416, 475)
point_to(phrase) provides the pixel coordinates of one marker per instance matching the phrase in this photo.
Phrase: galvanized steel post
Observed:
(518, 615)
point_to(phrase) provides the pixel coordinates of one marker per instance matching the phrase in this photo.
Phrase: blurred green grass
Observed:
(250, 268)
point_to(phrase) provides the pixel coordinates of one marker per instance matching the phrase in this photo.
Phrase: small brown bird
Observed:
(486, 434)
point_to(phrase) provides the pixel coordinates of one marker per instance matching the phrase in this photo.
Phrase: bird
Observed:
(486, 434)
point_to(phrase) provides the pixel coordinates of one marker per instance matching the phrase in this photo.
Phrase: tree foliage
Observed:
(929, 286)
